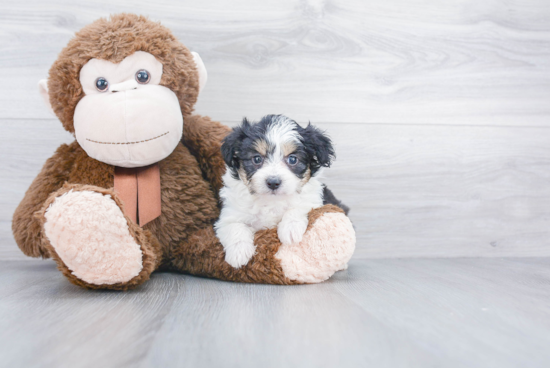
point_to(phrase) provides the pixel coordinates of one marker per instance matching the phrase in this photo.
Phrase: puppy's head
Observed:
(276, 156)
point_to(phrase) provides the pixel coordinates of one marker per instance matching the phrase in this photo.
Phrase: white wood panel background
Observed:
(440, 111)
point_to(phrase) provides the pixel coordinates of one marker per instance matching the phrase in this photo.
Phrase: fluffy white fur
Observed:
(244, 213)
(89, 232)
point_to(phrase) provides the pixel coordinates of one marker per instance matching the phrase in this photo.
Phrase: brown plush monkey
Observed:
(137, 190)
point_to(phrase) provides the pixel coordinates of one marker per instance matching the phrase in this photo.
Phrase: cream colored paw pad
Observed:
(325, 248)
(90, 234)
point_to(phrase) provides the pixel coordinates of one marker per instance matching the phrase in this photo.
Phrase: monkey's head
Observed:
(123, 86)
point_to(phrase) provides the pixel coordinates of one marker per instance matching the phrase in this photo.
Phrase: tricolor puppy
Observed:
(270, 182)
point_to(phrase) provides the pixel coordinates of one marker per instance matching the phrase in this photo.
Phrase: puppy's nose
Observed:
(273, 182)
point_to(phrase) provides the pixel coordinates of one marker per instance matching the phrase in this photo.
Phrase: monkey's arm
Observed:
(27, 229)
(327, 246)
(203, 137)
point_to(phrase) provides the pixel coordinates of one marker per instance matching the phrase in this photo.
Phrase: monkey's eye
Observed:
(256, 160)
(143, 76)
(292, 160)
(101, 84)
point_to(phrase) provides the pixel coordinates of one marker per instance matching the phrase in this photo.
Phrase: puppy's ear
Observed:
(319, 147)
(232, 144)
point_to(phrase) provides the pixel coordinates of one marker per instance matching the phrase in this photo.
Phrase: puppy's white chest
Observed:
(268, 215)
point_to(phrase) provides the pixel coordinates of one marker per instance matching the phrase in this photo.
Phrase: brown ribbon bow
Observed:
(139, 190)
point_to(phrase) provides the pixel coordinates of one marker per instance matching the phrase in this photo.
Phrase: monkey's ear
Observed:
(203, 76)
(43, 89)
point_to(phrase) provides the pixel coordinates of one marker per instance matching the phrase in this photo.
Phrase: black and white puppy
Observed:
(271, 181)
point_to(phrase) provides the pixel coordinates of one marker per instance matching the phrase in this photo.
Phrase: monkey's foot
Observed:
(91, 237)
(326, 247)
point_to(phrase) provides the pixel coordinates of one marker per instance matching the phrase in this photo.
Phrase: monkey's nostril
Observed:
(273, 182)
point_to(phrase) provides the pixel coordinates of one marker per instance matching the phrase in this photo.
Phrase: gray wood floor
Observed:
(379, 313)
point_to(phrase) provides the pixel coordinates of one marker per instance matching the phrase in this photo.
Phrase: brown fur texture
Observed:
(112, 40)
(182, 238)
(27, 230)
(196, 131)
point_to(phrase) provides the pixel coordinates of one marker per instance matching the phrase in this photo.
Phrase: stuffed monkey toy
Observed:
(137, 191)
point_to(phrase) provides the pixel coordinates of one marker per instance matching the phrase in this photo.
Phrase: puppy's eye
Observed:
(256, 160)
(292, 160)
(101, 84)
(143, 76)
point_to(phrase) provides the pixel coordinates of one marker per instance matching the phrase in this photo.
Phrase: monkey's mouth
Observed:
(136, 142)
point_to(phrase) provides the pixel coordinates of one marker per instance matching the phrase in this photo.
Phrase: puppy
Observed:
(270, 181)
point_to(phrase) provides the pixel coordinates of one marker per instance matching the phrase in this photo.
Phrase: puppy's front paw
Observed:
(292, 231)
(238, 254)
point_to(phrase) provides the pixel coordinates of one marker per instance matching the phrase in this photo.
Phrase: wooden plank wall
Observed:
(440, 111)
